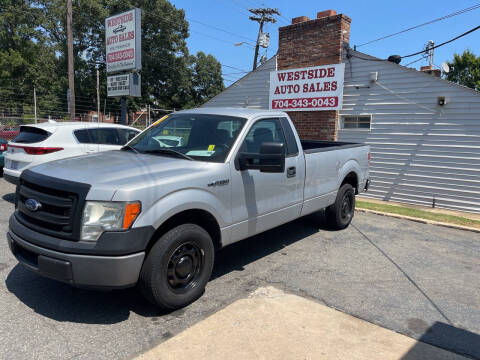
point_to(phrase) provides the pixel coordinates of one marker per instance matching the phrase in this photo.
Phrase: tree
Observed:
(33, 51)
(25, 58)
(465, 70)
(207, 78)
(167, 76)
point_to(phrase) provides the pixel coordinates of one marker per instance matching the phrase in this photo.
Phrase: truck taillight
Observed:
(3, 147)
(32, 150)
(369, 156)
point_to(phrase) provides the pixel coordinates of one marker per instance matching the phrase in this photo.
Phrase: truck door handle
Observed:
(291, 171)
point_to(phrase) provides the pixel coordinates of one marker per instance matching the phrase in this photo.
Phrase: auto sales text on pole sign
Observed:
(308, 89)
(123, 41)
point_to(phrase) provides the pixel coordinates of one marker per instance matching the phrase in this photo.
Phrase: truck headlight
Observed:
(100, 216)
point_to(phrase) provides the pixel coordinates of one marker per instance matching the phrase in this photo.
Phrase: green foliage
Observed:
(25, 59)
(465, 70)
(33, 52)
(206, 78)
(411, 211)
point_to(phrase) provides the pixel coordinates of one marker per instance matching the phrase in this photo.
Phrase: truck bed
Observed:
(313, 146)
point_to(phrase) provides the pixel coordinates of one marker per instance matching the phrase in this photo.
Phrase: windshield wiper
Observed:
(168, 151)
(128, 147)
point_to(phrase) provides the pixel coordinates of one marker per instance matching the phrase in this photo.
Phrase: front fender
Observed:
(185, 199)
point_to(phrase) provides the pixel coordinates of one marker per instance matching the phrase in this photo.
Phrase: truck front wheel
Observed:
(178, 267)
(340, 214)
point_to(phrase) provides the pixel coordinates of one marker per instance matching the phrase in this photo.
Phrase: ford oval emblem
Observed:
(32, 204)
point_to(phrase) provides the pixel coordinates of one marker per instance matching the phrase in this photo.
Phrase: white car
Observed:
(40, 143)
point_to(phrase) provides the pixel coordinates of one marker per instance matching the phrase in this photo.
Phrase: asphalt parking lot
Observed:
(417, 279)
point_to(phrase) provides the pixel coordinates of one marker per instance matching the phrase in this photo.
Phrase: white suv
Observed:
(40, 143)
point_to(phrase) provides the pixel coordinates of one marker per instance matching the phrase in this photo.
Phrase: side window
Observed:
(82, 136)
(266, 130)
(104, 136)
(126, 135)
(356, 122)
(228, 130)
(292, 148)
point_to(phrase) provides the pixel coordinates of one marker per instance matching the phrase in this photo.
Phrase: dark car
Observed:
(3, 151)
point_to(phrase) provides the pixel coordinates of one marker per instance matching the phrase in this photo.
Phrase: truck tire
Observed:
(178, 267)
(340, 214)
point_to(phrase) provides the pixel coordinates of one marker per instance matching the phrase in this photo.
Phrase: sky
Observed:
(370, 20)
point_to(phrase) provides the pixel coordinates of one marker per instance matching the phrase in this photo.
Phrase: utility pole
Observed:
(149, 121)
(71, 73)
(98, 96)
(430, 49)
(123, 114)
(262, 15)
(35, 103)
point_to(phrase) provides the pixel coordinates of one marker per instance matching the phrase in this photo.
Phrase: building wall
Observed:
(420, 150)
(250, 91)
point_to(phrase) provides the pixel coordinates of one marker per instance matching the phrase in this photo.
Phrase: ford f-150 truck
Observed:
(153, 214)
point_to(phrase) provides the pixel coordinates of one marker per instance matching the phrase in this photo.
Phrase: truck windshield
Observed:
(201, 137)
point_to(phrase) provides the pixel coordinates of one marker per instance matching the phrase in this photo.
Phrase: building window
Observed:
(356, 122)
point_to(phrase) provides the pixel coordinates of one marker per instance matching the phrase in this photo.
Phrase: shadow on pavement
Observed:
(236, 256)
(9, 197)
(448, 337)
(62, 302)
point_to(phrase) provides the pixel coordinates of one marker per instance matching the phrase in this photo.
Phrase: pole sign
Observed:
(123, 40)
(308, 89)
(123, 85)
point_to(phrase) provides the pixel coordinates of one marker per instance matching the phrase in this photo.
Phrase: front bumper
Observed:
(114, 261)
(78, 270)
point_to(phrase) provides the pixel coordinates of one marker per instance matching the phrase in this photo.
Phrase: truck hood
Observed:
(109, 171)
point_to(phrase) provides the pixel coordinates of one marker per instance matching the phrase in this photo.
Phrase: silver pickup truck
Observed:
(154, 213)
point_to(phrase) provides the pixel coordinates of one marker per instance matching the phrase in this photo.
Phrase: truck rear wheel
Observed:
(340, 214)
(178, 267)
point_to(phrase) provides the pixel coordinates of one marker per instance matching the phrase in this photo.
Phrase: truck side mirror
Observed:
(271, 158)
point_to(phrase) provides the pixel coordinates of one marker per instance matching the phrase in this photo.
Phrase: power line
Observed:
(459, 12)
(220, 29)
(234, 68)
(242, 11)
(415, 61)
(422, 51)
(218, 39)
(444, 43)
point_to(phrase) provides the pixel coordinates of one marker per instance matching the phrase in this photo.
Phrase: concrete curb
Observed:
(420, 220)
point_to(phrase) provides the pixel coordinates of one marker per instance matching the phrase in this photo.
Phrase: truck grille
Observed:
(61, 205)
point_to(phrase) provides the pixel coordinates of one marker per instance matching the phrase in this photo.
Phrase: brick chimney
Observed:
(307, 43)
(431, 71)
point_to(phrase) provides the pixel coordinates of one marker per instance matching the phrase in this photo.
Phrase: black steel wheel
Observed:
(184, 267)
(178, 267)
(346, 210)
(340, 214)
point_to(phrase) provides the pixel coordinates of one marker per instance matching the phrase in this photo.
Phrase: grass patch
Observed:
(422, 214)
